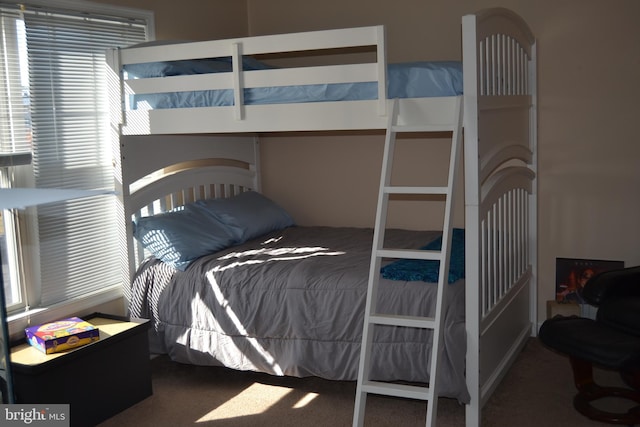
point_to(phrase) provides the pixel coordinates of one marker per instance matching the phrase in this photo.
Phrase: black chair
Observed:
(610, 341)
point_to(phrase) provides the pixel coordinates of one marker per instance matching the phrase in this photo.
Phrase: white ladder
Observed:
(371, 318)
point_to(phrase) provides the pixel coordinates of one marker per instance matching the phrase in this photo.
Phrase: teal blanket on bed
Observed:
(428, 270)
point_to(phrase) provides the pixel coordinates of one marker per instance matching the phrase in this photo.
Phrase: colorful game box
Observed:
(62, 335)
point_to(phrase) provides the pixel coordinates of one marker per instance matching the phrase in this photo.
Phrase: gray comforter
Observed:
(292, 303)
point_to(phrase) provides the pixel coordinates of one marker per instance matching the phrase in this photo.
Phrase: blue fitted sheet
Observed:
(405, 80)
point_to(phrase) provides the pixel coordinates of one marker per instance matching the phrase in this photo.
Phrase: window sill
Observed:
(76, 307)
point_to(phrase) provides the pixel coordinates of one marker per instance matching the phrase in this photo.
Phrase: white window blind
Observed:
(15, 135)
(79, 242)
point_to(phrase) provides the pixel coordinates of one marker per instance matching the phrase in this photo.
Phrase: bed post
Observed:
(472, 220)
(117, 112)
(499, 66)
(125, 228)
(533, 197)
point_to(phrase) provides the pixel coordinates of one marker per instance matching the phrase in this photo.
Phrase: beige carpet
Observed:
(537, 392)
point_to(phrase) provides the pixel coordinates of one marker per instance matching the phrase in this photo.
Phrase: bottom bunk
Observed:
(291, 302)
(228, 279)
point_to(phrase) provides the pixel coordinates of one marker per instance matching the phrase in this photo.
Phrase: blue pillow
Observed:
(177, 68)
(191, 66)
(428, 78)
(248, 215)
(181, 236)
(428, 270)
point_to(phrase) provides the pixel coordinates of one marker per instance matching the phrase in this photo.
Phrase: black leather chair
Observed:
(610, 341)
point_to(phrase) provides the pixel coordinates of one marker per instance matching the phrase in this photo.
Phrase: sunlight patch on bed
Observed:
(274, 254)
(224, 303)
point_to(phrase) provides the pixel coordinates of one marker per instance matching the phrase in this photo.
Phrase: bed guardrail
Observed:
(238, 79)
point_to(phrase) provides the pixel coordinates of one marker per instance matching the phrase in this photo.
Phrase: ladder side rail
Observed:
(443, 276)
(364, 365)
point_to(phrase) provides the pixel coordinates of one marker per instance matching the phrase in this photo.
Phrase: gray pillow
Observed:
(248, 215)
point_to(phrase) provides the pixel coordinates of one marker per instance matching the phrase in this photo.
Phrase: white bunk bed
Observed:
(499, 105)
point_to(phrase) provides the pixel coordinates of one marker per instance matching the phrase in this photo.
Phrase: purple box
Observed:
(62, 335)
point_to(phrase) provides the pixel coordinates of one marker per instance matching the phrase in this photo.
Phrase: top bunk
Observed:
(257, 84)
(219, 86)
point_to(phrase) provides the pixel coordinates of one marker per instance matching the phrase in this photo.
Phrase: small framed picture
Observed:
(572, 274)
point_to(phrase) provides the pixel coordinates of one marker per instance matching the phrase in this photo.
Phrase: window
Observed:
(55, 133)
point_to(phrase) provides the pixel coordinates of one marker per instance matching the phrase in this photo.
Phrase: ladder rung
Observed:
(397, 390)
(410, 254)
(446, 127)
(395, 189)
(408, 321)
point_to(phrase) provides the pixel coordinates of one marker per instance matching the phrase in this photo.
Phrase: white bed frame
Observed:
(499, 65)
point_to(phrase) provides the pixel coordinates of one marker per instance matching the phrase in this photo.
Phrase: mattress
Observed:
(292, 303)
(404, 80)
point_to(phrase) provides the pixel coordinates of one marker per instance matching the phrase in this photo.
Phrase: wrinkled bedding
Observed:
(292, 303)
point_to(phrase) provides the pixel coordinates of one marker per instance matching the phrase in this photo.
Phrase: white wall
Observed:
(193, 19)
